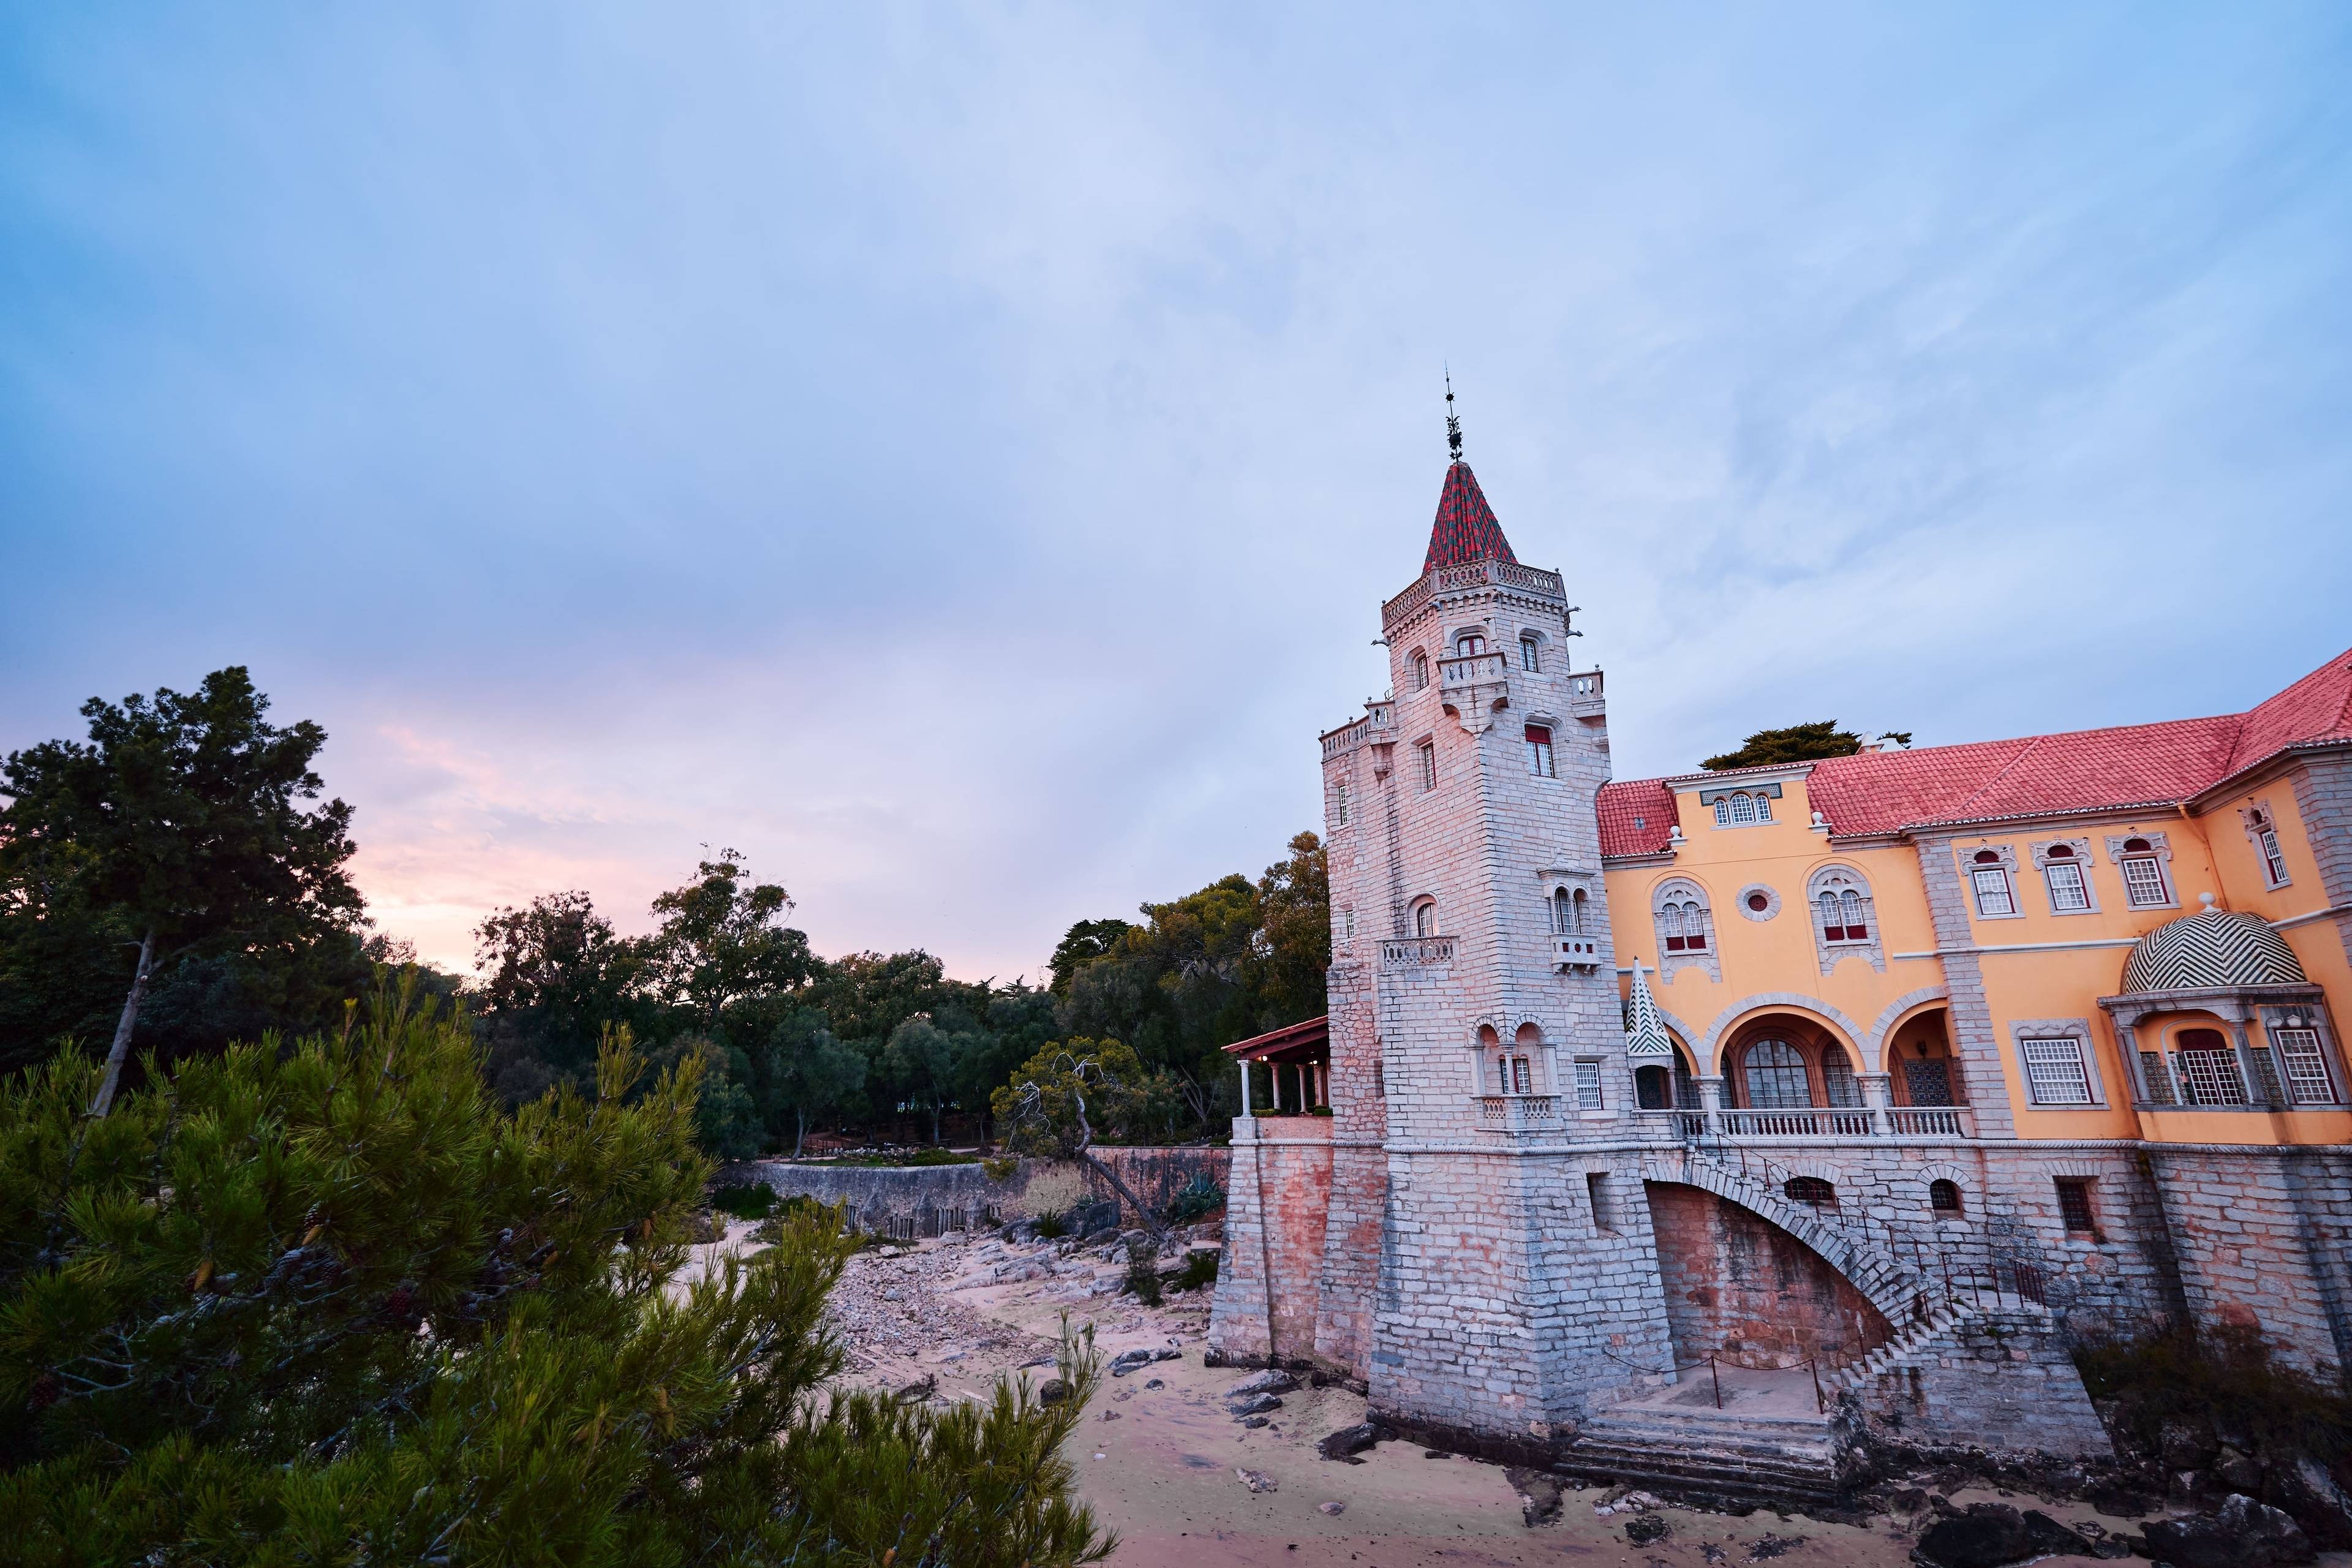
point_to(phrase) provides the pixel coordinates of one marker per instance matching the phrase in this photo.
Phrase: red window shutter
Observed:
(1538, 735)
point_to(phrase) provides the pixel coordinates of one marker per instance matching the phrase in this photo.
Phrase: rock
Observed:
(1254, 1422)
(2241, 1533)
(1256, 1404)
(1988, 1535)
(1908, 1503)
(2186, 1445)
(1166, 1353)
(1130, 1361)
(1053, 1391)
(2307, 1491)
(1257, 1481)
(1111, 1415)
(1333, 1508)
(1348, 1441)
(1272, 1380)
(2238, 1472)
(2117, 1500)
(1157, 1383)
(1643, 1529)
(2115, 1546)
(1538, 1494)
(2044, 1534)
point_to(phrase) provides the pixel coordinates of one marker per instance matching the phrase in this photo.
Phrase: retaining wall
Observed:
(1034, 1187)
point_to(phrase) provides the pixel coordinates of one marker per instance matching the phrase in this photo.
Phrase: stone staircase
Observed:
(1715, 1455)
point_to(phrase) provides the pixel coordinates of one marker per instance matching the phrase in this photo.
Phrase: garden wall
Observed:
(875, 1194)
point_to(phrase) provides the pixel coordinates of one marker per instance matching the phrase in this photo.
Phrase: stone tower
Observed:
(1488, 1264)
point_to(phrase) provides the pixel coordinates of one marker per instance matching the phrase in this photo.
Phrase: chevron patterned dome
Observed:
(2214, 948)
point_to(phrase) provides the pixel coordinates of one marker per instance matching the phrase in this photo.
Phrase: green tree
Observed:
(1294, 900)
(723, 937)
(329, 1304)
(1080, 946)
(816, 1074)
(1796, 743)
(181, 823)
(923, 1060)
(1066, 1096)
(556, 978)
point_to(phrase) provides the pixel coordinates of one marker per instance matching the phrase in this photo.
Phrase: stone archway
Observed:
(1888, 1287)
(1740, 1286)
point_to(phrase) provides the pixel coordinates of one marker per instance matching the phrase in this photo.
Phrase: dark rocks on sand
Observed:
(2241, 1533)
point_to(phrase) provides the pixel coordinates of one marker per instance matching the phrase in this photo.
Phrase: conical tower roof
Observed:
(1646, 1032)
(1466, 529)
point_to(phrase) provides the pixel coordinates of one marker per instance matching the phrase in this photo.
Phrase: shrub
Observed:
(1053, 1225)
(328, 1304)
(1003, 1170)
(1200, 1268)
(743, 1200)
(1199, 1196)
(1143, 1272)
(2226, 1378)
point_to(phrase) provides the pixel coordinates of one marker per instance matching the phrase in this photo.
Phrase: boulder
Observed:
(2237, 1470)
(2241, 1533)
(1053, 1391)
(2044, 1535)
(2307, 1491)
(1255, 1405)
(1273, 1380)
(2117, 1500)
(1348, 1441)
(1988, 1535)
(2187, 1445)
(1643, 1529)
(1538, 1494)
(1130, 1361)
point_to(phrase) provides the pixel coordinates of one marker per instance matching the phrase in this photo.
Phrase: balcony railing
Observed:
(1473, 670)
(1932, 1120)
(1470, 574)
(1417, 952)
(1819, 1122)
(1518, 1112)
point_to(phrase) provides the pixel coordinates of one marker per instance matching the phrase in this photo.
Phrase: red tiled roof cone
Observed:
(1465, 528)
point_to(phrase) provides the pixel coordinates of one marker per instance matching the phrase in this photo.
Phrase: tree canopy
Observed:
(1795, 743)
(330, 1304)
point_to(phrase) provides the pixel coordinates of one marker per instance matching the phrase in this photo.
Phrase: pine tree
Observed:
(329, 1304)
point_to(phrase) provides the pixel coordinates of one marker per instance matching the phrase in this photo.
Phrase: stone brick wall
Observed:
(2000, 1379)
(1035, 1185)
(1740, 1286)
(2263, 1240)
(1269, 1283)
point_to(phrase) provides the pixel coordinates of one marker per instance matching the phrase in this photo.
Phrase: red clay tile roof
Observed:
(1465, 528)
(2041, 775)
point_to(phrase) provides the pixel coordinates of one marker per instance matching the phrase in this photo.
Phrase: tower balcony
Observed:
(1417, 952)
(1466, 576)
(1475, 687)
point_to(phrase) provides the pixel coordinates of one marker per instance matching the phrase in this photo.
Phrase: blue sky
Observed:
(956, 457)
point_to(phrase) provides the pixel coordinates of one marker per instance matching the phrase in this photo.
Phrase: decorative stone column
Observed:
(1710, 1101)
(1877, 1097)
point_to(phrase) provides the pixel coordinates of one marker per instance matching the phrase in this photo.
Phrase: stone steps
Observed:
(1768, 1459)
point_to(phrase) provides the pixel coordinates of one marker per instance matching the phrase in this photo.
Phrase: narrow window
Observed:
(1520, 1082)
(1763, 808)
(1576, 912)
(1588, 1086)
(2063, 873)
(1723, 811)
(1694, 927)
(1529, 658)
(1596, 1189)
(1347, 925)
(1379, 1080)
(1991, 880)
(1339, 805)
(2074, 1208)
(1428, 749)
(1560, 912)
(1833, 919)
(2267, 1087)
(1540, 752)
(1943, 1197)
(1850, 905)
(1421, 672)
(1424, 920)
(2144, 885)
(2273, 863)
(2055, 1071)
(2307, 1069)
(1670, 925)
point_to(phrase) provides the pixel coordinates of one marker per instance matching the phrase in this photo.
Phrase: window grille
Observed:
(1529, 658)
(1943, 1197)
(2306, 1066)
(2067, 894)
(1588, 1086)
(1930, 1082)
(1521, 1082)
(1776, 1077)
(2055, 1073)
(2266, 1079)
(1810, 1190)
(2143, 882)
(1421, 672)
(1540, 762)
(1991, 883)
(1428, 749)
(2075, 1203)
(2209, 1075)
(1469, 645)
(1837, 1084)
(1742, 809)
(1339, 806)
(2153, 1069)
(1682, 925)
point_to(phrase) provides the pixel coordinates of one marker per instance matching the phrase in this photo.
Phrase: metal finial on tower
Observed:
(1453, 420)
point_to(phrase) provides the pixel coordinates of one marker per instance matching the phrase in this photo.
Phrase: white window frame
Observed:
(2053, 880)
(2152, 865)
(1428, 754)
(2261, 831)
(2040, 1071)
(1588, 1095)
(1997, 875)
(1530, 653)
(2303, 1056)
(1541, 761)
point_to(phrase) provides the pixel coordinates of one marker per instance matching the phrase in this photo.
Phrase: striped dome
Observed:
(2209, 948)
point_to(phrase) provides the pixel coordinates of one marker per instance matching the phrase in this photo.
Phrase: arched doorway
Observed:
(1920, 1068)
(1744, 1289)
(1659, 1086)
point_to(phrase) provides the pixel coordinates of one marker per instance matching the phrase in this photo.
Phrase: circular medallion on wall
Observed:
(1756, 901)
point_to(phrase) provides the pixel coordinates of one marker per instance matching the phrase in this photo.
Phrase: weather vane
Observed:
(1453, 420)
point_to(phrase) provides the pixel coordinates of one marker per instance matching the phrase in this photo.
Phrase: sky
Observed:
(956, 456)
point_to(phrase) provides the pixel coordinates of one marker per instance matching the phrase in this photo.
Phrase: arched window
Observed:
(1775, 1072)
(1838, 1085)
(1810, 1190)
(1742, 809)
(1841, 897)
(1568, 911)
(1658, 1088)
(1943, 1197)
(2144, 884)
(1424, 918)
(1420, 670)
(1530, 652)
(1576, 904)
(1684, 927)
(1988, 878)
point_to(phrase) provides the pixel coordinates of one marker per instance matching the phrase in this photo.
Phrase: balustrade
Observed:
(1519, 1113)
(1416, 951)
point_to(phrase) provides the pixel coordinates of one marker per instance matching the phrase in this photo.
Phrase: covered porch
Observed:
(1296, 1060)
